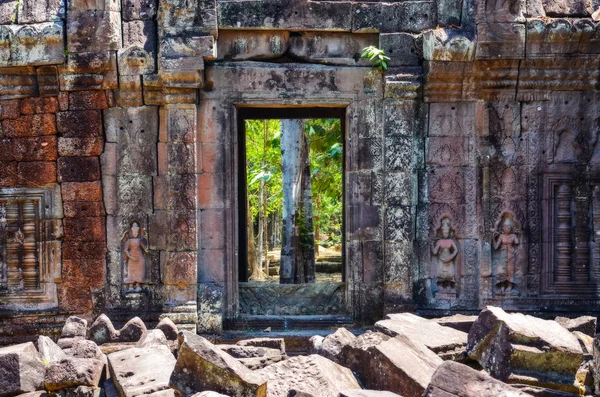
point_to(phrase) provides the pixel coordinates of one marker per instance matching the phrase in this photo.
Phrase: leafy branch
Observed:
(376, 56)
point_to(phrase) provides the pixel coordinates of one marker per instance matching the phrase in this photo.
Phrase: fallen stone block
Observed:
(141, 371)
(83, 348)
(49, 351)
(585, 324)
(332, 344)
(459, 322)
(517, 348)
(203, 366)
(254, 357)
(448, 343)
(587, 344)
(103, 331)
(396, 364)
(21, 369)
(272, 343)
(73, 372)
(368, 393)
(455, 379)
(312, 374)
(209, 394)
(154, 337)
(168, 327)
(74, 327)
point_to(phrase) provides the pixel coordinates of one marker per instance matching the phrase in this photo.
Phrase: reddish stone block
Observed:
(211, 266)
(37, 173)
(39, 105)
(30, 125)
(9, 109)
(212, 235)
(85, 229)
(63, 101)
(211, 190)
(180, 268)
(83, 209)
(212, 157)
(43, 148)
(89, 146)
(82, 191)
(73, 293)
(8, 173)
(78, 169)
(74, 250)
(79, 123)
(83, 100)
(182, 231)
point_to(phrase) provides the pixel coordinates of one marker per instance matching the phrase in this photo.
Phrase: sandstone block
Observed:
(455, 379)
(35, 11)
(367, 393)
(22, 369)
(7, 12)
(444, 341)
(41, 148)
(585, 324)
(448, 45)
(517, 347)
(103, 330)
(203, 366)
(253, 357)
(168, 327)
(99, 5)
(331, 346)
(397, 364)
(83, 348)
(74, 326)
(403, 48)
(271, 343)
(87, 100)
(153, 337)
(459, 322)
(10, 109)
(500, 41)
(79, 251)
(30, 125)
(36, 173)
(8, 173)
(246, 45)
(209, 394)
(39, 105)
(83, 209)
(71, 147)
(139, 9)
(73, 372)
(93, 31)
(85, 229)
(78, 169)
(567, 8)
(49, 351)
(32, 45)
(79, 123)
(139, 371)
(307, 374)
(331, 48)
(82, 191)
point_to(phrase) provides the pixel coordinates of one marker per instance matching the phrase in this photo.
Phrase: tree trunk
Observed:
(297, 242)
(256, 272)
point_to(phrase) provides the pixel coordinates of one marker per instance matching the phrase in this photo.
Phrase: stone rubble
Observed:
(511, 355)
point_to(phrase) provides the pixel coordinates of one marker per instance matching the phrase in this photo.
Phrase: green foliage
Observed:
(326, 156)
(376, 56)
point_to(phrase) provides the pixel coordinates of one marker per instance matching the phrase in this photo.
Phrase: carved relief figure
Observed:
(445, 249)
(504, 264)
(135, 248)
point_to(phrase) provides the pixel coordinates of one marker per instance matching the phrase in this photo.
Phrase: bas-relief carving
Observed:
(444, 250)
(135, 251)
(505, 244)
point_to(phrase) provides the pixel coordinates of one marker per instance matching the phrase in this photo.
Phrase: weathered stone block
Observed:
(22, 369)
(87, 100)
(139, 9)
(585, 324)
(10, 109)
(566, 8)
(129, 92)
(35, 11)
(33, 149)
(79, 123)
(500, 41)
(201, 365)
(93, 31)
(417, 16)
(30, 125)
(182, 231)
(8, 12)
(138, 55)
(84, 229)
(74, 250)
(367, 17)
(82, 191)
(402, 48)
(47, 77)
(73, 372)
(89, 71)
(32, 45)
(141, 370)
(76, 209)
(248, 45)
(91, 146)
(331, 346)
(39, 105)
(36, 173)
(78, 169)
(448, 45)
(183, 18)
(94, 5)
(312, 374)
(50, 352)
(449, 12)
(513, 347)
(8, 173)
(177, 54)
(134, 194)
(180, 268)
(331, 48)
(74, 327)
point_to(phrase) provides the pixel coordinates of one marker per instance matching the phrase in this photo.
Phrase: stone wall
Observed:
(120, 117)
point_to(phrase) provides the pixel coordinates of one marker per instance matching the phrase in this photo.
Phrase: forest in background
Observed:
(319, 222)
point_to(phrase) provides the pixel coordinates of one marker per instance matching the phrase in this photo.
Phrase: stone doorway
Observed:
(317, 290)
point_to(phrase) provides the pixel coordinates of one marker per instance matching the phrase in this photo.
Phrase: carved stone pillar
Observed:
(30, 274)
(596, 231)
(564, 245)
(13, 276)
(582, 233)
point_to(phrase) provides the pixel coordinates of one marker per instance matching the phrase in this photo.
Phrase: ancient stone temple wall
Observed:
(471, 169)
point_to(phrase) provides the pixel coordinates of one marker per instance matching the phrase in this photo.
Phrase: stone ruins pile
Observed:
(502, 354)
